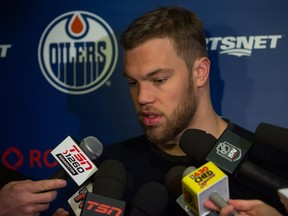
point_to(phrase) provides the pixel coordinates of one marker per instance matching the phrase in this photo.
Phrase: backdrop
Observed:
(61, 71)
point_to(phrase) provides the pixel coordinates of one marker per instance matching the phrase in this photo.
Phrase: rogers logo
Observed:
(14, 158)
(77, 52)
(242, 45)
(19, 158)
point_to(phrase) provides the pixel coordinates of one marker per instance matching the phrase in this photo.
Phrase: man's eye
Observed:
(159, 81)
(132, 83)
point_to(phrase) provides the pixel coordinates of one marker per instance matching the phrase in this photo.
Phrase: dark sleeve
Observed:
(7, 175)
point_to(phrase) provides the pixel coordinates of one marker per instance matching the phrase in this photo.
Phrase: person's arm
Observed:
(245, 208)
(28, 197)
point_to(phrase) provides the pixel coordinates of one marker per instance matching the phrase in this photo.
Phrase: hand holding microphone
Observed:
(244, 208)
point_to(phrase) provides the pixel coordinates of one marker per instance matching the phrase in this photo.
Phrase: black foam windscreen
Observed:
(110, 179)
(196, 143)
(150, 200)
(273, 136)
(173, 180)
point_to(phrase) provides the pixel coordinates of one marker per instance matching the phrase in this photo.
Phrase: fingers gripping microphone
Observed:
(150, 200)
(108, 190)
(76, 159)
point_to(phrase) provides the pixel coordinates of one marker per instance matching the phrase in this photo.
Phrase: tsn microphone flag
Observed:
(76, 201)
(100, 205)
(70, 156)
(199, 184)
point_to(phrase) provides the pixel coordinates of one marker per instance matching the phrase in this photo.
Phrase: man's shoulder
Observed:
(241, 131)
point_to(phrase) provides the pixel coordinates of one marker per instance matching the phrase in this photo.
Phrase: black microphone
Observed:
(76, 161)
(227, 152)
(108, 190)
(110, 179)
(273, 136)
(150, 200)
(173, 180)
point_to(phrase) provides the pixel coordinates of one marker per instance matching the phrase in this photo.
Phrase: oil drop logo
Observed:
(77, 52)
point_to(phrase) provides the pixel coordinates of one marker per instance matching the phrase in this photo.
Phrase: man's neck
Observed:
(216, 127)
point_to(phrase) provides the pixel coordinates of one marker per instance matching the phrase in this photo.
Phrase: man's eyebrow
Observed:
(153, 73)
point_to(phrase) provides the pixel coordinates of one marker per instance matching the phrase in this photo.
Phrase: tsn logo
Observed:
(103, 208)
(77, 159)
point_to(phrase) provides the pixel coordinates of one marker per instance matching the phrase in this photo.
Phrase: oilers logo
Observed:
(77, 52)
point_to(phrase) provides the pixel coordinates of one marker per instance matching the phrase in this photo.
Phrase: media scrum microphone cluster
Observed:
(105, 195)
(108, 193)
(229, 153)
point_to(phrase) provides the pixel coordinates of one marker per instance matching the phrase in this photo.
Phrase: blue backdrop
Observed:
(46, 46)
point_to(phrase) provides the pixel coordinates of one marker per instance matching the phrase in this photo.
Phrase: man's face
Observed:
(161, 89)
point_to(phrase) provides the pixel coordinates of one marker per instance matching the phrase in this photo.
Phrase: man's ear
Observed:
(202, 68)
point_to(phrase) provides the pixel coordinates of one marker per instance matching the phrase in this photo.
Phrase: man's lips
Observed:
(150, 118)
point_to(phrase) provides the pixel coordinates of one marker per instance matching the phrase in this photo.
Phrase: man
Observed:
(26, 197)
(167, 68)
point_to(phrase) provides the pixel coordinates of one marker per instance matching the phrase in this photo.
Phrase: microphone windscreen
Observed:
(196, 143)
(272, 135)
(189, 170)
(150, 200)
(173, 180)
(92, 147)
(110, 179)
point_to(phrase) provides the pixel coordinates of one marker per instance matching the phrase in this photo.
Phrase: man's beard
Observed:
(176, 123)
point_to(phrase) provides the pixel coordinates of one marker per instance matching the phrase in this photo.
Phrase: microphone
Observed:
(150, 200)
(173, 180)
(110, 179)
(228, 153)
(76, 159)
(198, 186)
(272, 135)
(108, 190)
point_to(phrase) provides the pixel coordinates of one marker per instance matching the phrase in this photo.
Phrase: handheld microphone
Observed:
(150, 200)
(220, 202)
(227, 153)
(272, 135)
(76, 160)
(108, 190)
(200, 184)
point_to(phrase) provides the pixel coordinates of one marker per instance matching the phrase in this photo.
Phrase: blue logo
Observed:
(77, 52)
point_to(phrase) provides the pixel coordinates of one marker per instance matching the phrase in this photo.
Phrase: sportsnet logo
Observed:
(228, 151)
(242, 45)
(77, 52)
(4, 49)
